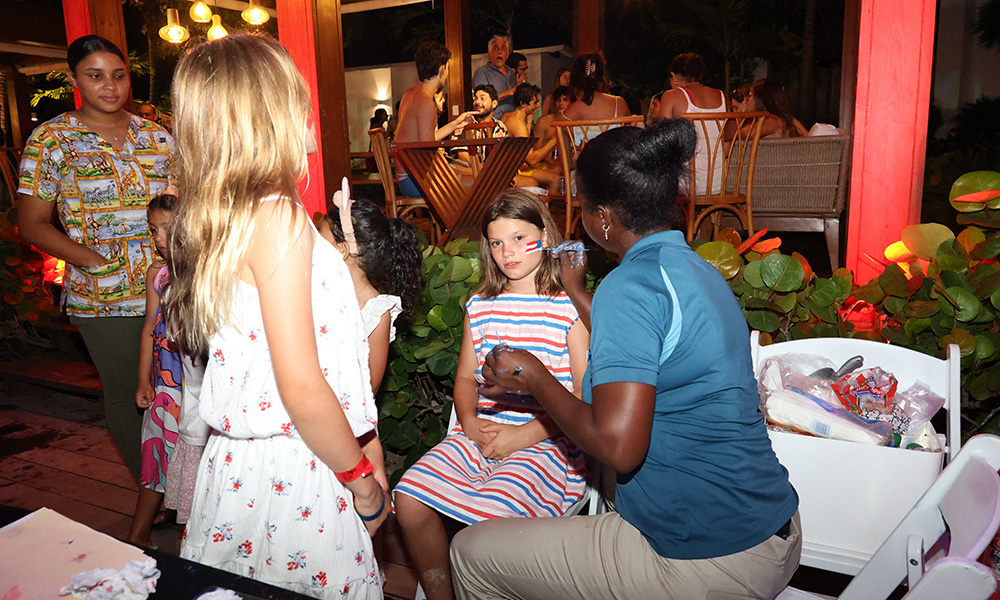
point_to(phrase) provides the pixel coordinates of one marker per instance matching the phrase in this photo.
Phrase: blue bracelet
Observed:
(378, 513)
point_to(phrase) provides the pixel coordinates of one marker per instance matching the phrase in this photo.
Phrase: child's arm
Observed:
(378, 350)
(510, 438)
(144, 391)
(466, 397)
(279, 261)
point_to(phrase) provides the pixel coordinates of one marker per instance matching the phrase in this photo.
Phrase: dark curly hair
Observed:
(429, 58)
(388, 251)
(524, 93)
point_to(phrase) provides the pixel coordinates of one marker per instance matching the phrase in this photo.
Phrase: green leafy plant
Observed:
(415, 402)
(943, 289)
(780, 294)
(27, 302)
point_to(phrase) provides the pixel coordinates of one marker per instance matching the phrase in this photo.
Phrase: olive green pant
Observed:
(604, 557)
(113, 344)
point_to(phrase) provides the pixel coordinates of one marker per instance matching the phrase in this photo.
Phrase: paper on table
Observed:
(41, 552)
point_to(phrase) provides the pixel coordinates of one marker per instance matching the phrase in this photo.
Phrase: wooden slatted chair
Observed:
(726, 183)
(471, 132)
(460, 210)
(398, 207)
(572, 136)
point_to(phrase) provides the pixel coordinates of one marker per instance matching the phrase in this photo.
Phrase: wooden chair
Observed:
(471, 133)
(726, 182)
(572, 136)
(398, 207)
(458, 209)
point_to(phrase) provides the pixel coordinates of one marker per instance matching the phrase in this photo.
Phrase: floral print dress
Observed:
(265, 506)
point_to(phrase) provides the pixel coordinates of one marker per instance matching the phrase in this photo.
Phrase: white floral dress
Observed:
(265, 506)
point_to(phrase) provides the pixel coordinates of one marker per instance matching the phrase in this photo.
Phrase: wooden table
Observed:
(458, 209)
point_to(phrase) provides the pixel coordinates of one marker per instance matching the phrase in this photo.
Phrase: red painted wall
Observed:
(895, 58)
(296, 33)
(76, 14)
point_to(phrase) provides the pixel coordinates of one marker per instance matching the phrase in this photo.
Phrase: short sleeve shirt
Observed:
(495, 77)
(102, 194)
(710, 484)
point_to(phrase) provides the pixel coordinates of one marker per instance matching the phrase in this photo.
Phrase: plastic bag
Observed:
(874, 386)
(794, 407)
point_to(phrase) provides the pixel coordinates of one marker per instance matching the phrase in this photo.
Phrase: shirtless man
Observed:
(417, 110)
(527, 99)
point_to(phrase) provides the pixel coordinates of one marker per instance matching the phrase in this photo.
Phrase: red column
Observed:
(101, 17)
(895, 58)
(76, 14)
(297, 34)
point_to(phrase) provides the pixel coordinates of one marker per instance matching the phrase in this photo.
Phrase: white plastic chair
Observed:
(851, 495)
(936, 547)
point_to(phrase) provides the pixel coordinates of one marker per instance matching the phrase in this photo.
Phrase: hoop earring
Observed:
(606, 229)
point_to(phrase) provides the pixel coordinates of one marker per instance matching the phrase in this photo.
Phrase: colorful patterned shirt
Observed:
(102, 194)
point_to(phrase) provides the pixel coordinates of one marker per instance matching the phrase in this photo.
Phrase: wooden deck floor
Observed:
(55, 452)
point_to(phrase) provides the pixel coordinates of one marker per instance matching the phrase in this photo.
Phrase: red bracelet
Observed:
(364, 468)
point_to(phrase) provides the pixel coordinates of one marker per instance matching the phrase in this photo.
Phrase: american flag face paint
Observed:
(532, 247)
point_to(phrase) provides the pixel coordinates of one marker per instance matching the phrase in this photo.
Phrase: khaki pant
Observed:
(603, 556)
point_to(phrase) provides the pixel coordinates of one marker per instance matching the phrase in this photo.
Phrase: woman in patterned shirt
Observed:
(97, 167)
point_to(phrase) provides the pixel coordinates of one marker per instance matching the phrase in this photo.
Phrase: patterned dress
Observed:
(265, 506)
(159, 422)
(543, 480)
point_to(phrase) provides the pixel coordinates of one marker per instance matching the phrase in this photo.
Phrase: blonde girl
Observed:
(505, 458)
(285, 494)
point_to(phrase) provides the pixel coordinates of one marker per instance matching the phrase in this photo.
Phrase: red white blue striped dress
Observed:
(543, 480)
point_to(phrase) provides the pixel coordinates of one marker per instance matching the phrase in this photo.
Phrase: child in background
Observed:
(505, 458)
(192, 435)
(284, 494)
(383, 257)
(160, 376)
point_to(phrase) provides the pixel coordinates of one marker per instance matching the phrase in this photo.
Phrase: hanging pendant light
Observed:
(200, 12)
(216, 31)
(173, 31)
(255, 15)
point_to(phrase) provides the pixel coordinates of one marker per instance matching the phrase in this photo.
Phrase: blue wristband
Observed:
(378, 513)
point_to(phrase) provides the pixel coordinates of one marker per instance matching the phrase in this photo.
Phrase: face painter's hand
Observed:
(510, 371)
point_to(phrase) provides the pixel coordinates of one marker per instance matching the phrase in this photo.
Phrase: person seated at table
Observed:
(561, 80)
(770, 95)
(687, 95)
(496, 73)
(519, 124)
(739, 100)
(484, 102)
(418, 109)
(519, 63)
(703, 507)
(591, 102)
(653, 116)
(543, 126)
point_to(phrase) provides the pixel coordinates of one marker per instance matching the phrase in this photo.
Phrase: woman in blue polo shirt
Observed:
(704, 509)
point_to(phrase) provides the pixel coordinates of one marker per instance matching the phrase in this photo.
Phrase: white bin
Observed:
(851, 496)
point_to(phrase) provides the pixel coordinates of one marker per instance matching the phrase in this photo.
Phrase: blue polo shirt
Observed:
(489, 74)
(710, 484)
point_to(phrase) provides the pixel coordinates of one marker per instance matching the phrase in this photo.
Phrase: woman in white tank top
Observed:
(688, 95)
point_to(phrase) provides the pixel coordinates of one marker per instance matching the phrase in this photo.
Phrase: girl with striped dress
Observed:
(505, 457)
